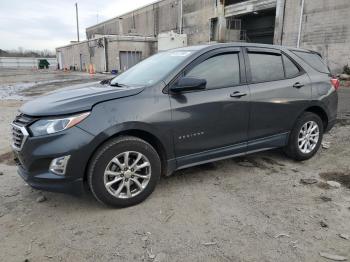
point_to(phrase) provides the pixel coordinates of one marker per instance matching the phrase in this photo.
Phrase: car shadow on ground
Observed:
(269, 162)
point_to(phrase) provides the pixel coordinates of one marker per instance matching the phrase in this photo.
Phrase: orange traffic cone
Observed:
(91, 69)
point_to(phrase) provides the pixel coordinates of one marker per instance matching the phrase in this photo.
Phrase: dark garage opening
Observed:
(259, 27)
(232, 2)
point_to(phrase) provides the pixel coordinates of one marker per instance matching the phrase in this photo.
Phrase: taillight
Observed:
(335, 83)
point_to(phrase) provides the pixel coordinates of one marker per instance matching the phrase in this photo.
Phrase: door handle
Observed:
(298, 85)
(237, 94)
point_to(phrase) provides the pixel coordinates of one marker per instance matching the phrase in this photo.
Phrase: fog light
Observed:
(58, 165)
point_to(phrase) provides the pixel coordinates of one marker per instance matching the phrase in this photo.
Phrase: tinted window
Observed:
(290, 68)
(219, 71)
(266, 67)
(152, 69)
(313, 60)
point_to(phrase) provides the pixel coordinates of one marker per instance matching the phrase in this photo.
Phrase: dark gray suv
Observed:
(176, 109)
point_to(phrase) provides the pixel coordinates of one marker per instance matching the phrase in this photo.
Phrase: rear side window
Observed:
(314, 60)
(266, 67)
(290, 68)
(219, 71)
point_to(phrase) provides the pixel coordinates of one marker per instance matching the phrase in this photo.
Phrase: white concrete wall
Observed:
(71, 55)
(161, 17)
(116, 46)
(25, 62)
(325, 28)
(93, 52)
(326, 24)
(171, 40)
(146, 21)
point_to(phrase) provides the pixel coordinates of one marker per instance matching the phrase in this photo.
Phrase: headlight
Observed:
(50, 126)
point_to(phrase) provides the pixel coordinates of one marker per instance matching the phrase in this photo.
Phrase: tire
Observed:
(107, 165)
(297, 151)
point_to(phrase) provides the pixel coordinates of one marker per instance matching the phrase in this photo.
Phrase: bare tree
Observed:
(21, 52)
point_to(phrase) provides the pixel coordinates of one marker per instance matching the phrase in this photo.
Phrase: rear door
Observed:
(279, 89)
(212, 123)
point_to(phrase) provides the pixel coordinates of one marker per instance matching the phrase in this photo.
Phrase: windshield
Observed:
(152, 69)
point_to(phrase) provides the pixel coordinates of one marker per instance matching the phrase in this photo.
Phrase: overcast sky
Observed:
(46, 24)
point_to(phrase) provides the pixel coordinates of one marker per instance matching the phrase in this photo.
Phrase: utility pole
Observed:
(300, 22)
(76, 11)
(181, 16)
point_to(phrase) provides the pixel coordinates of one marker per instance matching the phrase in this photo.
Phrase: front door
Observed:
(212, 123)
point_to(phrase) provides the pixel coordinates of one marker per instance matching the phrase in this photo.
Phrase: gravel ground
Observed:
(254, 208)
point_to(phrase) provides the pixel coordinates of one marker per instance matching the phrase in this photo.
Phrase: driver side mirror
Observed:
(189, 84)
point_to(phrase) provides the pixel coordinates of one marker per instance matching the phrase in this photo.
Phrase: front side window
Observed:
(219, 71)
(266, 67)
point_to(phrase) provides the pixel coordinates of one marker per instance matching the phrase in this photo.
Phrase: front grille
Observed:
(23, 120)
(19, 131)
(17, 137)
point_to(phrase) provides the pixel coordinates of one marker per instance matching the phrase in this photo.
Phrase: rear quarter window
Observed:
(291, 70)
(313, 60)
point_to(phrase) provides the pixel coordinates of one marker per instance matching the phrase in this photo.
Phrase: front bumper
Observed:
(34, 160)
(51, 182)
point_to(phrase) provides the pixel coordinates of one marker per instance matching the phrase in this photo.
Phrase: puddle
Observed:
(341, 177)
(20, 91)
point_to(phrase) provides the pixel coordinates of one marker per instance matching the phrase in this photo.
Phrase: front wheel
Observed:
(305, 138)
(124, 171)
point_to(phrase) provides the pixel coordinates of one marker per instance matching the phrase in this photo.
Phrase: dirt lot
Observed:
(245, 209)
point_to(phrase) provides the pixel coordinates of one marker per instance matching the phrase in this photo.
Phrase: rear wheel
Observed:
(124, 171)
(306, 137)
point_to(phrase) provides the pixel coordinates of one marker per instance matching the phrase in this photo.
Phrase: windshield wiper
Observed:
(109, 82)
(106, 81)
(117, 84)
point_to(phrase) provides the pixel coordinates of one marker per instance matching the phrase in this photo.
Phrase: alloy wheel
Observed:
(308, 137)
(127, 174)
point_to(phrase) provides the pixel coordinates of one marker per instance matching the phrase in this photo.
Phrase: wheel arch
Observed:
(147, 136)
(153, 140)
(318, 110)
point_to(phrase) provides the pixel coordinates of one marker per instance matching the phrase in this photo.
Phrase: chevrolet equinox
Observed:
(176, 109)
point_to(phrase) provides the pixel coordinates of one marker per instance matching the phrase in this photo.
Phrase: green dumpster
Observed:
(43, 63)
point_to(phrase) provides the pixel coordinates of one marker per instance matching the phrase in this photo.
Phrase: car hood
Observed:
(76, 100)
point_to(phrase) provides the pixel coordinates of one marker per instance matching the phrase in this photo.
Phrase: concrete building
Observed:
(320, 25)
(324, 27)
(106, 53)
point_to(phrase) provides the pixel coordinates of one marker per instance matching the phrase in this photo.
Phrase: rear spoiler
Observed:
(314, 52)
(319, 54)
